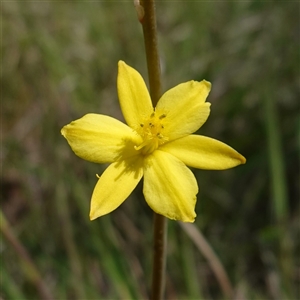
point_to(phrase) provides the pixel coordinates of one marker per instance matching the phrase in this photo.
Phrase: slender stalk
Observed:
(159, 257)
(150, 38)
(148, 21)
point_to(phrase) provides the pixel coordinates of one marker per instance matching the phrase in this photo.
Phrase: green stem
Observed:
(148, 21)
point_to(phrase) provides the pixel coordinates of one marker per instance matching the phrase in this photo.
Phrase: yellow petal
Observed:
(170, 188)
(185, 108)
(133, 94)
(100, 139)
(204, 153)
(115, 185)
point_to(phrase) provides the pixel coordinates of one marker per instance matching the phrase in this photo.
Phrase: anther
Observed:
(162, 116)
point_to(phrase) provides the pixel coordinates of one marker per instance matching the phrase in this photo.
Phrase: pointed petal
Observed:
(133, 94)
(204, 153)
(115, 185)
(185, 108)
(170, 188)
(100, 139)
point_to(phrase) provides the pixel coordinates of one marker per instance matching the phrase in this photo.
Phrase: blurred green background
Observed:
(59, 62)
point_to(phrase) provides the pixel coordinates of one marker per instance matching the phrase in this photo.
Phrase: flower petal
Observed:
(133, 94)
(100, 139)
(204, 153)
(170, 188)
(115, 185)
(185, 108)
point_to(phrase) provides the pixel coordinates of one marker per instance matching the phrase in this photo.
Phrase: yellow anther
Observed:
(152, 133)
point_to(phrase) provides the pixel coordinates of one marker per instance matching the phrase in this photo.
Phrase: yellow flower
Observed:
(156, 143)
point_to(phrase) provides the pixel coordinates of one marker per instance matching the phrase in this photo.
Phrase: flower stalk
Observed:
(160, 222)
(150, 39)
(159, 256)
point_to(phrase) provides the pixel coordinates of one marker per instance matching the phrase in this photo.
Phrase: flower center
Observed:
(152, 133)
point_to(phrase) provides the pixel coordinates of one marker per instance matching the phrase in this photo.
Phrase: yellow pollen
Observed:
(152, 133)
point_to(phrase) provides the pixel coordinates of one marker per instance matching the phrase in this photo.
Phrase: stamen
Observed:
(151, 131)
(142, 145)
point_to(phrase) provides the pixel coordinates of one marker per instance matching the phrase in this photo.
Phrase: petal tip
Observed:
(187, 219)
(192, 218)
(120, 62)
(243, 159)
(93, 215)
(63, 131)
(207, 84)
